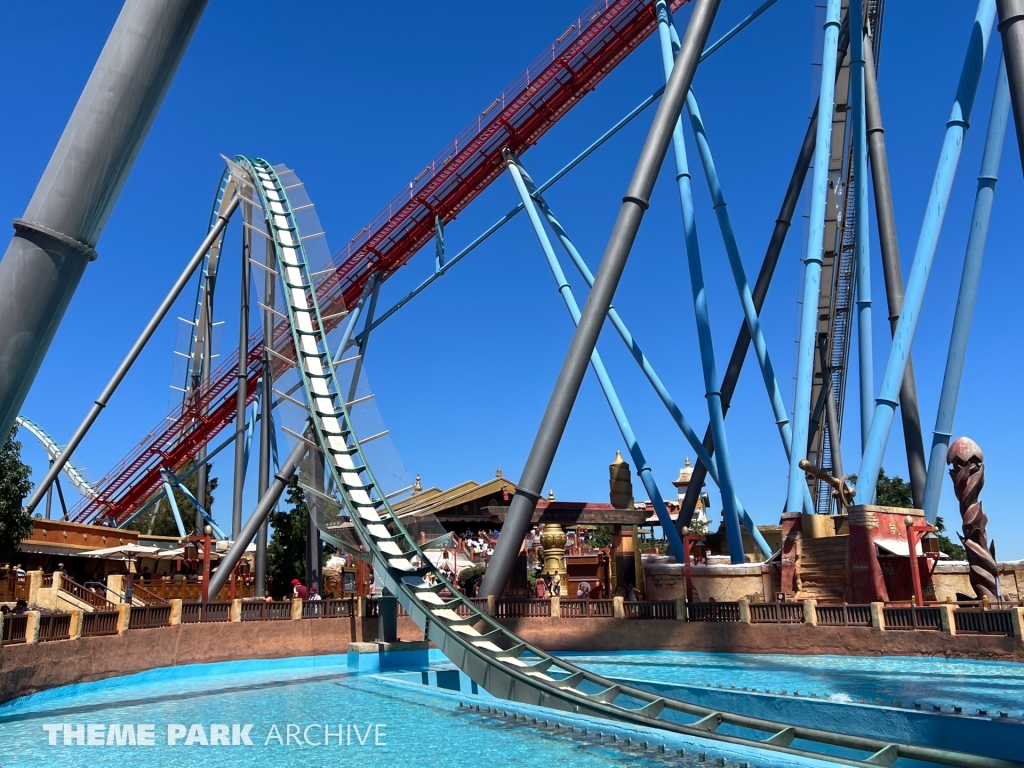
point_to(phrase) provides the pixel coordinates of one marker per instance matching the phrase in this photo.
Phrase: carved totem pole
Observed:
(968, 474)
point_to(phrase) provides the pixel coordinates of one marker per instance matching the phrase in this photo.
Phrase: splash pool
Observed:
(379, 720)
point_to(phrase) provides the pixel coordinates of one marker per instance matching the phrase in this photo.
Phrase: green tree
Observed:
(603, 536)
(286, 551)
(159, 520)
(15, 520)
(890, 491)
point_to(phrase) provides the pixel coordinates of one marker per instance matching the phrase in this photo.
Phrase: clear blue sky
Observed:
(358, 96)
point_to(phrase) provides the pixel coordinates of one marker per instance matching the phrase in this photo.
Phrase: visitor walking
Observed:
(541, 588)
(583, 591)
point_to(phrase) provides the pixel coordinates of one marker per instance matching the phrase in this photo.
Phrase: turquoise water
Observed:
(419, 726)
(424, 727)
(990, 685)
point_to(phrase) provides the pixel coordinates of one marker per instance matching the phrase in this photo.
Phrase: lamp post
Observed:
(922, 534)
(693, 544)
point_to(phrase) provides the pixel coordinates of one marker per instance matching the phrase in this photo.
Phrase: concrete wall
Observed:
(30, 668)
(719, 580)
(951, 577)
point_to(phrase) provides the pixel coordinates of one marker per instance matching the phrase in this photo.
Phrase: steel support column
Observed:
(750, 314)
(643, 470)
(638, 355)
(968, 292)
(242, 375)
(813, 261)
(862, 252)
(567, 386)
(712, 390)
(259, 515)
(1011, 27)
(266, 415)
(938, 199)
(888, 244)
(56, 237)
(131, 357)
(764, 278)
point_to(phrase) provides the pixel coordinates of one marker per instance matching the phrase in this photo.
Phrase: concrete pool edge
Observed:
(29, 668)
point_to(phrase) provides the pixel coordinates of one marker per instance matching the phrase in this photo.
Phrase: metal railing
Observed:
(54, 626)
(776, 613)
(329, 609)
(912, 617)
(100, 623)
(15, 629)
(149, 616)
(275, 610)
(84, 594)
(586, 609)
(219, 611)
(522, 609)
(665, 609)
(982, 622)
(843, 615)
(712, 611)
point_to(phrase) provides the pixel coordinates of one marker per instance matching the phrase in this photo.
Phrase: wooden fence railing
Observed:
(85, 595)
(275, 610)
(843, 615)
(100, 623)
(712, 611)
(15, 628)
(912, 617)
(982, 622)
(149, 616)
(54, 626)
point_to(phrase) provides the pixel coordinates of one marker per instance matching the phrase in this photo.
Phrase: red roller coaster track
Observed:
(571, 67)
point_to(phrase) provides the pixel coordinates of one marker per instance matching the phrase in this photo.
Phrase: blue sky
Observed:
(357, 97)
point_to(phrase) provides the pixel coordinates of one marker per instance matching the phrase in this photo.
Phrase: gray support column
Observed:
(242, 375)
(267, 420)
(909, 412)
(314, 544)
(266, 503)
(56, 238)
(1011, 27)
(760, 291)
(635, 203)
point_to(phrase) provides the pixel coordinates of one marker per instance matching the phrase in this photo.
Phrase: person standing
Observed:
(556, 585)
(541, 588)
(298, 590)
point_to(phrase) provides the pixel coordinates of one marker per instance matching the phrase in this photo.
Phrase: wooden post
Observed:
(35, 583)
(32, 626)
(124, 618)
(877, 616)
(175, 617)
(618, 610)
(75, 627)
(811, 613)
(296, 608)
(744, 605)
(680, 609)
(556, 607)
(492, 605)
(236, 609)
(946, 619)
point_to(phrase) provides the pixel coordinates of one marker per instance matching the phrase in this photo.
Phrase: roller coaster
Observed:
(313, 302)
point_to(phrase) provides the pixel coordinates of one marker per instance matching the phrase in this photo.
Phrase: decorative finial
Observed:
(498, 473)
(417, 486)
(551, 495)
(687, 462)
(618, 458)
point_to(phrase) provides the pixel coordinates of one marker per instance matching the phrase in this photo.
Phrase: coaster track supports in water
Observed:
(712, 390)
(917, 283)
(969, 280)
(813, 260)
(643, 470)
(57, 236)
(132, 356)
(567, 386)
(910, 414)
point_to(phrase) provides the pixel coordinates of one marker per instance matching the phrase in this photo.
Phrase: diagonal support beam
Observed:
(567, 386)
(712, 390)
(643, 470)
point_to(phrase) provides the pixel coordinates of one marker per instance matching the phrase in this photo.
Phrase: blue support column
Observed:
(938, 199)
(438, 244)
(700, 307)
(742, 286)
(353, 317)
(174, 508)
(640, 358)
(968, 293)
(862, 252)
(812, 261)
(643, 470)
